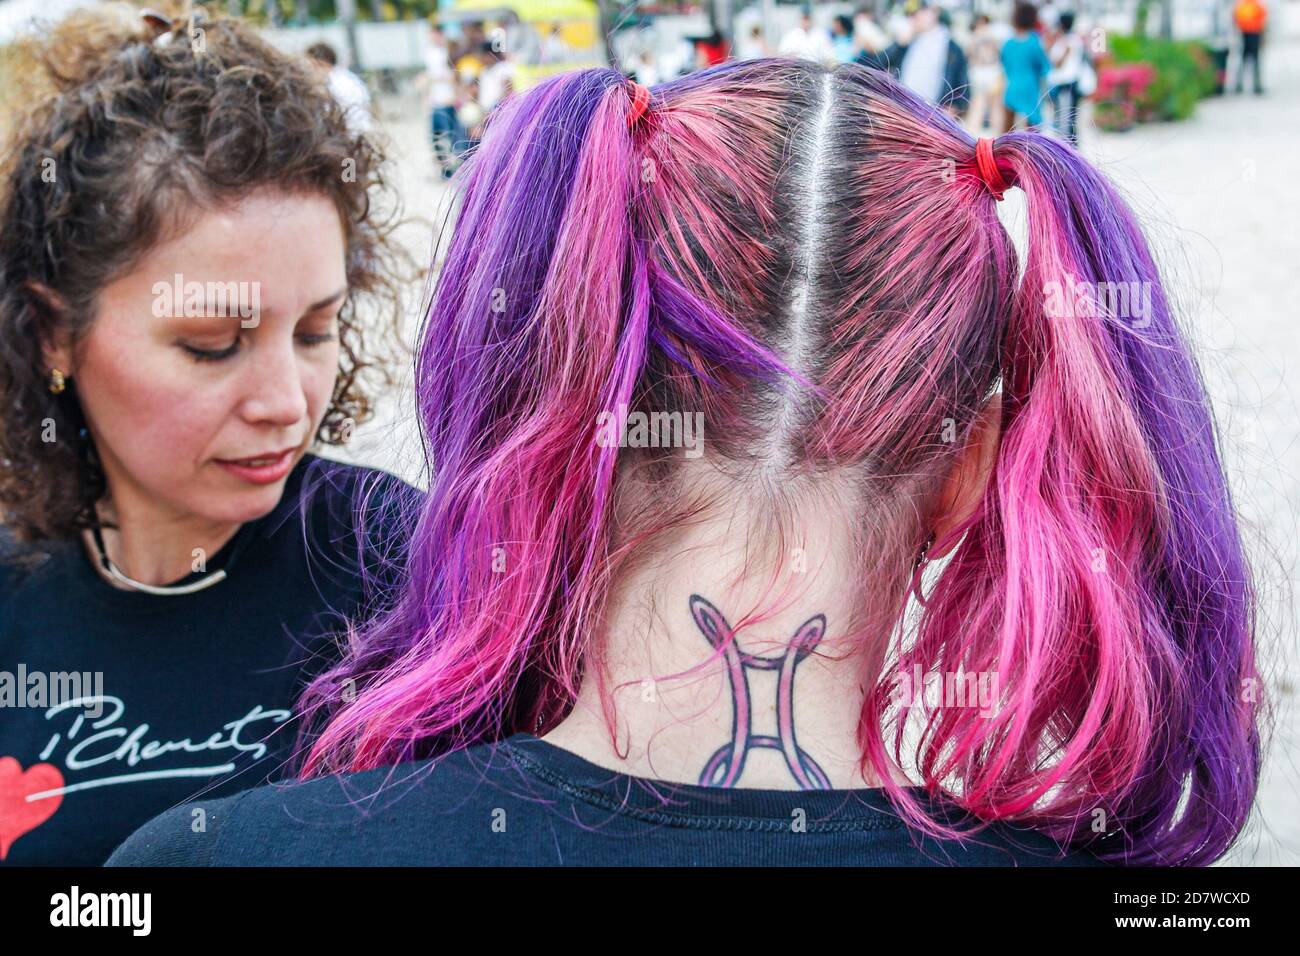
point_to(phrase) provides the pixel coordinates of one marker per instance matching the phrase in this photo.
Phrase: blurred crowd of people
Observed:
(469, 71)
(1030, 71)
(1033, 69)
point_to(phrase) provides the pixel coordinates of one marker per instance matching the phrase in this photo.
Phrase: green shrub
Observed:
(1184, 73)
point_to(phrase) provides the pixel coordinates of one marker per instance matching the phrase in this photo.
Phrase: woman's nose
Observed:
(275, 388)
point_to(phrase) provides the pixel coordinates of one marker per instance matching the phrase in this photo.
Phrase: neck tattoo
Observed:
(728, 762)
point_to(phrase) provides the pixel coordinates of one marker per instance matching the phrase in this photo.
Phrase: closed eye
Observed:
(319, 338)
(211, 355)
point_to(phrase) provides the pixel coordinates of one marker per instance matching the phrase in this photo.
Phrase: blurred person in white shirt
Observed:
(1067, 57)
(553, 46)
(753, 45)
(867, 33)
(345, 86)
(647, 69)
(440, 99)
(986, 77)
(808, 42)
(519, 41)
(497, 79)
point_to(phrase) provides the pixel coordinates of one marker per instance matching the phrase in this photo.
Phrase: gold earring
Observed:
(57, 382)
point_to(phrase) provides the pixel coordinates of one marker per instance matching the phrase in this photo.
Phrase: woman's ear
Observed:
(56, 352)
(964, 488)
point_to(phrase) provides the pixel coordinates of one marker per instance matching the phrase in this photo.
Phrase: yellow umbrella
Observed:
(534, 10)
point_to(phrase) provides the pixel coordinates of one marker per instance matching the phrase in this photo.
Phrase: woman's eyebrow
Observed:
(317, 305)
(328, 300)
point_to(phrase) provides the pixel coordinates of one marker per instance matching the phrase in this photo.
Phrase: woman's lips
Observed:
(260, 469)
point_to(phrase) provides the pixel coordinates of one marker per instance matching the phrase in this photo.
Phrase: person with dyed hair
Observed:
(777, 519)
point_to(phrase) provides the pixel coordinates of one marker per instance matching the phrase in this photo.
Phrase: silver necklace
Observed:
(165, 590)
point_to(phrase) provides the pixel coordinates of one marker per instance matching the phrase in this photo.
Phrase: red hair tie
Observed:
(988, 168)
(640, 103)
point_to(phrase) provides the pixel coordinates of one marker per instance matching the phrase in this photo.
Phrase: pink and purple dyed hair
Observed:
(593, 265)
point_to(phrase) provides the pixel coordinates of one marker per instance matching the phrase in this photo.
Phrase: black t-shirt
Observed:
(189, 685)
(524, 801)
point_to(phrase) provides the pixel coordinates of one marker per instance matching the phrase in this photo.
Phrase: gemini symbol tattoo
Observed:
(728, 762)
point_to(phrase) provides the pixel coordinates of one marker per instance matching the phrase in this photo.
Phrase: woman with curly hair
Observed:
(188, 245)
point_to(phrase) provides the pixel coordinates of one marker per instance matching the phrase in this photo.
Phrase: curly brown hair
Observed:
(141, 136)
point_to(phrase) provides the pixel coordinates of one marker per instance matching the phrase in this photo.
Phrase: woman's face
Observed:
(219, 348)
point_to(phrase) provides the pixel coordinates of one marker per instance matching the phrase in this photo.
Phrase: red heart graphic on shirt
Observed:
(17, 814)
